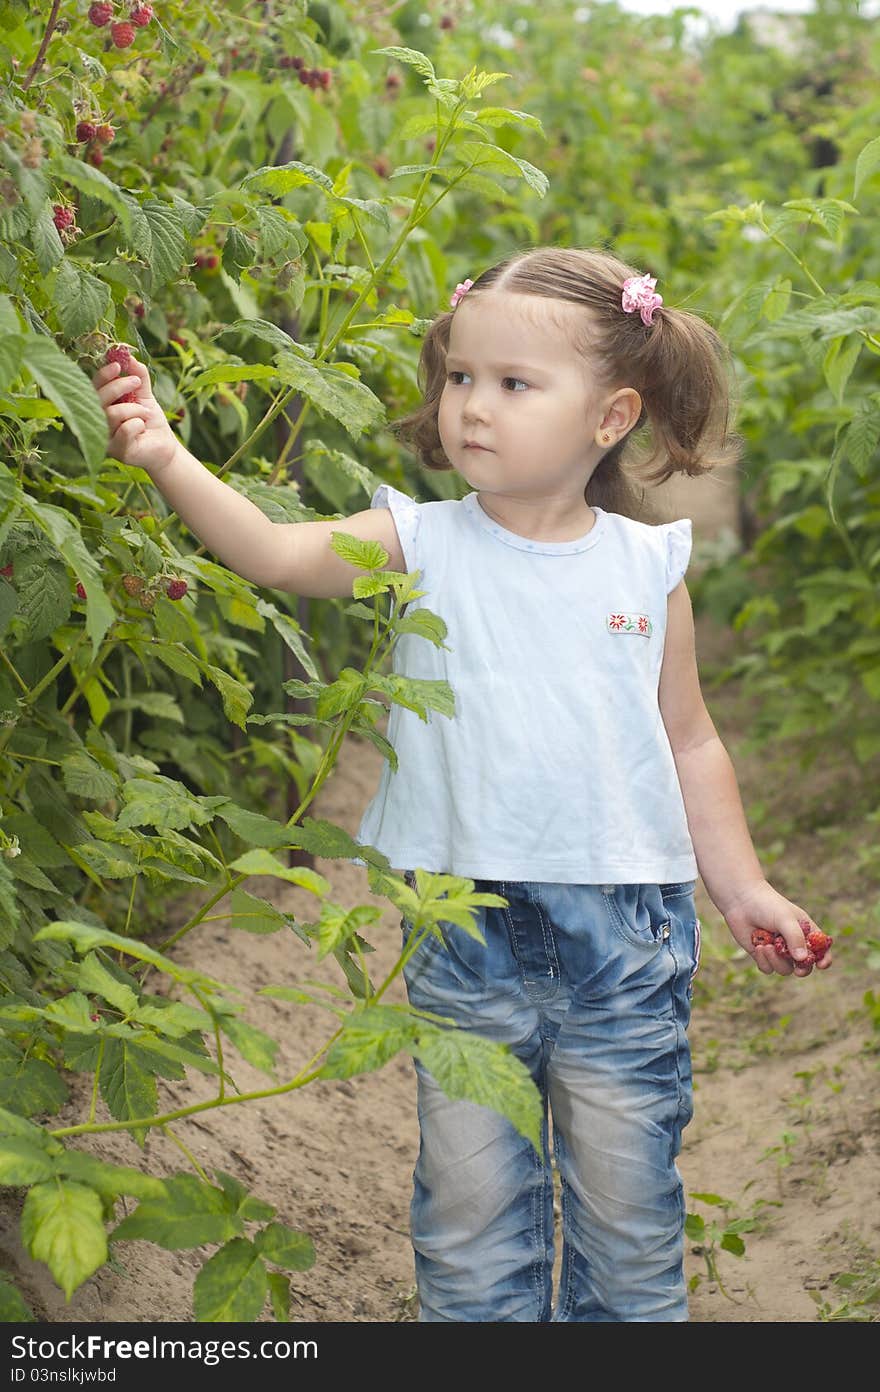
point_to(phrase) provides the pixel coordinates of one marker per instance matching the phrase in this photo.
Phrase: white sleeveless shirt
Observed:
(556, 765)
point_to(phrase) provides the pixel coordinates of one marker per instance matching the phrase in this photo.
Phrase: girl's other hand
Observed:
(139, 432)
(764, 909)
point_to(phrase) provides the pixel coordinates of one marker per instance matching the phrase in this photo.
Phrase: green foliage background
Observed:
(273, 250)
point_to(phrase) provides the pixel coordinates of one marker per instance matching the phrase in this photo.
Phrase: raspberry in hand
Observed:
(140, 434)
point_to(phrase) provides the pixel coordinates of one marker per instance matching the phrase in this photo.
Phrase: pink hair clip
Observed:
(638, 293)
(461, 290)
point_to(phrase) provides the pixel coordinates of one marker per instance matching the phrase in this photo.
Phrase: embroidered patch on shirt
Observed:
(630, 623)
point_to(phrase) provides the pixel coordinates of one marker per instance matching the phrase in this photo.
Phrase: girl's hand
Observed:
(763, 907)
(139, 432)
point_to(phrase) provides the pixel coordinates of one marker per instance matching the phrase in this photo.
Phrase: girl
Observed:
(581, 777)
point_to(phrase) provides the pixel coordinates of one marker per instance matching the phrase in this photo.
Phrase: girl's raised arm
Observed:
(294, 556)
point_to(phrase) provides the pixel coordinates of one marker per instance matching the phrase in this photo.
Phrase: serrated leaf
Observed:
(94, 978)
(279, 1293)
(286, 1247)
(290, 634)
(13, 1309)
(62, 1225)
(369, 1038)
(59, 379)
(91, 181)
(338, 925)
(777, 301)
(346, 692)
(417, 694)
(86, 778)
(109, 1180)
(368, 555)
(325, 839)
(22, 1162)
(253, 827)
(259, 862)
(235, 696)
(189, 1214)
(31, 1086)
(839, 362)
(282, 178)
(334, 391)
(411, 57)
(232, 1285)
(264, 331)
(254, 915)
(128, 1088)
(424, 623)
(867, 162)
(255, 1046)
(81, 300)
(164, 803)
(86, 938)
(168, 241)
(44, 598)
(469, 1067)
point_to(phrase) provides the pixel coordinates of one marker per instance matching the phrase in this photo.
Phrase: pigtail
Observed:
(684, 373)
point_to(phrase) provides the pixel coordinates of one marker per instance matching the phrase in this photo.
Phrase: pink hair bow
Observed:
(461, 290)
(638, 294)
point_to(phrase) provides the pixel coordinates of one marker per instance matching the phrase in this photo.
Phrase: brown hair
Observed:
(677, 364)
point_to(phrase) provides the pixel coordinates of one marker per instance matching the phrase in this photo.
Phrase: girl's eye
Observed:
(517, 379)
(454, 379)
(450, 377)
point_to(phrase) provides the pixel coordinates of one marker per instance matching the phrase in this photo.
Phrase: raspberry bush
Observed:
(267, 213)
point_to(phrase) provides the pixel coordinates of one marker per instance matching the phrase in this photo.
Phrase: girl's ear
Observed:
(621, 412)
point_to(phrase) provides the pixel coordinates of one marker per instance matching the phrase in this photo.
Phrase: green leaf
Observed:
(254, 915)
(867, 162)
(189, 1214)
(13, 1309)
(86, 778)
(862, 434)
(69, 388)
(31, 1086)
(839, 362)
(94, 978)
(369, 1038)
(369, 555)
(62, 1225)
(89, 180)
(290, 634)
(347, 691)
(279, 1292)
(695, 1227)
(425, 624)
(255, 1046)
(107, 1179)
(412, 58)
(236, 698)
(128, 1088)
(81, 300)
(164, 803)
(23, 1162)
(286, 1247)
(483, 1071)
(167, 235)
(260, 862)
(777, 301)
(337, 925)
(730, 1242)
(232, 1285)
(253, 827)
(44, 598)
(417, 694)
(326, 840)
(282, 178)
(334, 391)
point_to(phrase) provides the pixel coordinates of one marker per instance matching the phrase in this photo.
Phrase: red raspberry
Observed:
(7, 571)
(62, 216)
(122, 35)
(105, 133)
(141, 15)
(325, 78)
(96, 156)
(761, 937)
(139, 309)
(121, 353)
(818, 942)
(175, 589)
(781, 945)
(100, 14)
(80, 589)
(132, 584)
(298, 62)
(303, 76)
(86, 131)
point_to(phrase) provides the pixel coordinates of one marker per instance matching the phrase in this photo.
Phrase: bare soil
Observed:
(787, 1110)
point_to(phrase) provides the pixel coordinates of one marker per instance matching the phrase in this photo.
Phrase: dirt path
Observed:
(786, 1127)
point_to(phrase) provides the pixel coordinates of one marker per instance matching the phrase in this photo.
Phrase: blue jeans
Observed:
(590, 987)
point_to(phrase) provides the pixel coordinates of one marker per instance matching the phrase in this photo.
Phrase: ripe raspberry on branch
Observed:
(86, 130)
(100, 14)
(122, 35)
(62, 216)
(141, 15)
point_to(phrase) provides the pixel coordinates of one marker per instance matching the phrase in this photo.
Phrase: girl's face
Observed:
(519, 413)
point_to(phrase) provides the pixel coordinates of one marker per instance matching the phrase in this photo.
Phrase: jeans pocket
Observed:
(637, 914)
